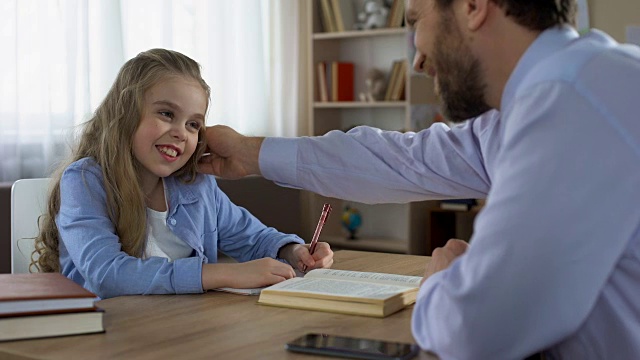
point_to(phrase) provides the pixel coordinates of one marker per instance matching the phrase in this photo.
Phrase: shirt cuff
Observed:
(188, 275)
(428, 284)
(290, 241)
(419, 321)
(278, 160)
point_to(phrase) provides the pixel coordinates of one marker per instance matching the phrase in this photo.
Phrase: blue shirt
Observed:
(554, 261)
(199, 213)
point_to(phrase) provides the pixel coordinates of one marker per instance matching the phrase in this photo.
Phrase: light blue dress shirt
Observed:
(199, 213)
(554, 261)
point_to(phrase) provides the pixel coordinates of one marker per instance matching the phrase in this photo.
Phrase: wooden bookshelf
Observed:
(368, 244)
(395, 228)
(359, 33)
(359, 104)
(443, 225)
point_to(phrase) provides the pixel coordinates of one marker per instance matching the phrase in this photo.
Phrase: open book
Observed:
(346, 292)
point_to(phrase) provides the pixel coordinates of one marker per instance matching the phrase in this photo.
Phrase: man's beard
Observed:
(460, 87)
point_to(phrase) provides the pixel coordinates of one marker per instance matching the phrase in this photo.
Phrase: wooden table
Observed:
(218, 325)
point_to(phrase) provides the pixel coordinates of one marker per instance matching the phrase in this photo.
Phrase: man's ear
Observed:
(476, 12)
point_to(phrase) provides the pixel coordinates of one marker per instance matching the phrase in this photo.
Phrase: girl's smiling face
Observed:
(167, 135)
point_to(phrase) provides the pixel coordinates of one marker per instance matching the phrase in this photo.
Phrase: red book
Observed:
(342, 81)
(42, 293)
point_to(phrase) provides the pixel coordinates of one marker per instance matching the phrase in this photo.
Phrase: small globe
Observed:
(351, 220)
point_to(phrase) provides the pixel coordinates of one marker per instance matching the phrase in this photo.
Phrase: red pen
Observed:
(326, 210)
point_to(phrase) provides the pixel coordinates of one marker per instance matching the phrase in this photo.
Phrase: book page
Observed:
(333, 287)
(378, 278)
(249, 291)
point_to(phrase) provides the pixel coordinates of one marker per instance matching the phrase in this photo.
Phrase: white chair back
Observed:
(28, 202)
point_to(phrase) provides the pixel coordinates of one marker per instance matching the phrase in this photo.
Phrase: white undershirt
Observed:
(161, 241)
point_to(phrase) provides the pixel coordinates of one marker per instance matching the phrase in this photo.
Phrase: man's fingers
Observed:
(457, 246)
(442, 257)
(211, 164)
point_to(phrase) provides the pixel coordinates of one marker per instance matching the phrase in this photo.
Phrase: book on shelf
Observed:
(397, 17)
(397, 92)
(396, 14)
(42, 293)
(323, 92)
(49, 325)
(343, 291)
(327, 16)
(342, 81)
(393, 74)
(458, 204)
(344, 13)
(397, 81)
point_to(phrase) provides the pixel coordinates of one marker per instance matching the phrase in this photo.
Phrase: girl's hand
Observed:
(250, 274)
(298, 255)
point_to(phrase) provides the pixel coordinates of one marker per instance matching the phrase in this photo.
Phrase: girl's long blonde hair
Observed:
(107, 138)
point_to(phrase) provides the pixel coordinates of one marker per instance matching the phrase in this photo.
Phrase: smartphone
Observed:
(356, 348)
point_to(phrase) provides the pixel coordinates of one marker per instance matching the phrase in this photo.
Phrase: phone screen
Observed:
(326, 344)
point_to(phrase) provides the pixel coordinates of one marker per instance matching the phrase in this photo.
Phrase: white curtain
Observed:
(60, 58)
(287, 67)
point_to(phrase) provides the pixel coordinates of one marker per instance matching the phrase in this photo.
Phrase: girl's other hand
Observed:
(250, 274)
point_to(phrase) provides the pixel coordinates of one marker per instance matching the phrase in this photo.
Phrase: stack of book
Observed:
(44, 305)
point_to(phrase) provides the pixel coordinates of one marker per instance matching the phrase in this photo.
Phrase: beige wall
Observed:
(612, 16)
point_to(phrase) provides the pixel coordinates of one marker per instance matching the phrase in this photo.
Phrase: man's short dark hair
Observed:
(534, 14)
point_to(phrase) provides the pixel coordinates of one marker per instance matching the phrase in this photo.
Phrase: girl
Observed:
(130, 215)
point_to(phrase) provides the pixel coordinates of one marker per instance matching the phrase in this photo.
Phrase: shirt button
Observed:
(172, 221)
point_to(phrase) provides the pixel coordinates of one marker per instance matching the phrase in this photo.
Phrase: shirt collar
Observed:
(547, 43)
(177, 193)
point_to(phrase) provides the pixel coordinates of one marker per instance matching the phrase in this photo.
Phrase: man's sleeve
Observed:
(374, 166)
